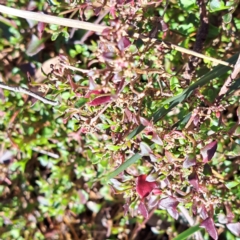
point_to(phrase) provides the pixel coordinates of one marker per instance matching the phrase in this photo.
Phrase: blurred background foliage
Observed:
(53, 162)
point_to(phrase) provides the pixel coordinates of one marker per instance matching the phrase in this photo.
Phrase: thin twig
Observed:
(28, 92)
(96, 28)
(50, 154)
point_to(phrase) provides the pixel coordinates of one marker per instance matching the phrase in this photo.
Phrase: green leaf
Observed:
(227, 18)
(217, 5)
(174, 101)
(232, 184)
(79, 103)
(187, 233)
(171, 103)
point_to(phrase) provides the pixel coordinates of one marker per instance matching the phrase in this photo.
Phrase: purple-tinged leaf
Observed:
(128, 114)
(173, 212)
(209, 226)
(143, 210)
(164, 183)
(100, 100)
(189, 161)
(230, 214)
(109, 55)
(145, 122)
(156, 191)
(143, 187)
(169, 202)
(35, 46)
(106, 32)
(208, 151)
(120, 2)
(196, 120)
(193, 180)
(40, 28)
(112, 11)
(97, 10)
(153, 201)
(164, 26)
(145, 149)
(234, 228)
(95, 92)
(121, 86)
(123, 43)
(194, 207)
(157, 139)
(203, 212)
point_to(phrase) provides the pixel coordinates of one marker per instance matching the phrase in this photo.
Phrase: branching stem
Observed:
(28, 92)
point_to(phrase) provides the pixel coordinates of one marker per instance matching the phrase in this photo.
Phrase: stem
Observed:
(96, 28)
(40, 17)
(28, 92)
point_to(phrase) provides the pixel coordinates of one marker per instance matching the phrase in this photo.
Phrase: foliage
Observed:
(141, 129)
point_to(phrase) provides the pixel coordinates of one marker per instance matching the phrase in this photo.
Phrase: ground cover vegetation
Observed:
(119, 119)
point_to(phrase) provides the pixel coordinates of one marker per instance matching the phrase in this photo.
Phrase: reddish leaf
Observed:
(96, 92)
(40, 28)
(156, 191)
(97, 10)
(128, 114)
(112, 11)
(100, 100)
(208, 151)
(208, 224)
(143, 187)
(164, 26)
(109, 55)
(234, 228)
(145, 149)
(169, 202)
(143, 210)
(193, 179)
(123, 43)
(106, 32)
(189, 161)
